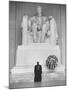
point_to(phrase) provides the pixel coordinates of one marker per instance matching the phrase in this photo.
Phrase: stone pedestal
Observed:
(27, 57)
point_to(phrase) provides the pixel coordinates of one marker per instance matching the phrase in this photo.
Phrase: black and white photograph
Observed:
(37, 44)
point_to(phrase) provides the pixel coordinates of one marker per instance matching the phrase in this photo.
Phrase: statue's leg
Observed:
(43, 33)
(34, 30)
(39, 36)
(34, 34)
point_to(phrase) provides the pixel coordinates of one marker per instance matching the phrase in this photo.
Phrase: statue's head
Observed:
(39, 10)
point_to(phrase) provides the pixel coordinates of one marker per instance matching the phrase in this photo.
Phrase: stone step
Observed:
(30, 77)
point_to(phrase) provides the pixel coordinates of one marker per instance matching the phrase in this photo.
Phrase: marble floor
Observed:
(27, 80)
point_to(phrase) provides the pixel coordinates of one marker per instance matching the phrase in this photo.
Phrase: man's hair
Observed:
(37, 62)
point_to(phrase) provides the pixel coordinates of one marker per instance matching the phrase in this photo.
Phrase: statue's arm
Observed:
(30, 21)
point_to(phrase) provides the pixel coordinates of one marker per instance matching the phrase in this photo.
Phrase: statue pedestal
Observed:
(27, 57)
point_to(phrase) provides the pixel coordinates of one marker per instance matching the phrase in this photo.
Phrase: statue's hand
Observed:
(49, 33)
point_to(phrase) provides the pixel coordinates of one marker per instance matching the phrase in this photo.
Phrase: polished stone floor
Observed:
(27, 80)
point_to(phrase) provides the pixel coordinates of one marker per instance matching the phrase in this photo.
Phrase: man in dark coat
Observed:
(38, 73)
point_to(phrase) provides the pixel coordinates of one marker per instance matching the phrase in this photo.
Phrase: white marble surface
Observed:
(27, 57)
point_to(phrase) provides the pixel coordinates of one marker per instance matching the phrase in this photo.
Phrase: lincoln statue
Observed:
(39, 29)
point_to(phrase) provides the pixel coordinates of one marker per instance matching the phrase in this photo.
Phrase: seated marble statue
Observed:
(41, 29)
